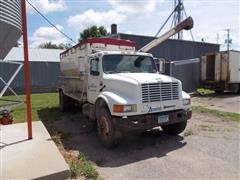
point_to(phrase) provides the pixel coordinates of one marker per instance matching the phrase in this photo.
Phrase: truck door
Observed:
(93, 79)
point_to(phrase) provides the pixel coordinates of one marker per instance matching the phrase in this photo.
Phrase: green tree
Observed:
(64, 46)
(49, 45)
(93, 31)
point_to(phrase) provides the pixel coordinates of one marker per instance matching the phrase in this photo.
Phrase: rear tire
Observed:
(106, 130)
(174, 129)
(65, 103)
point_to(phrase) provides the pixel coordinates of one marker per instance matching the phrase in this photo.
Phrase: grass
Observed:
(221, 114)
(188, 132)
(206, 127)
(203, 91)
(45, 108)
(74, 169)
(87, 167)
(81, 165)
(39, 102)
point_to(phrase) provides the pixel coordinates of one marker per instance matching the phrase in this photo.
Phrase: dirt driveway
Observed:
(229, 102)
(209, 148)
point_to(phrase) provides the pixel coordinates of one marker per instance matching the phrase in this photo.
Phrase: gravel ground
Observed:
(229, 102)
(209, 148)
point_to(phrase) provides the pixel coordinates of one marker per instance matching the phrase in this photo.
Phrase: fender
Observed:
(186, 96)
(112, 98)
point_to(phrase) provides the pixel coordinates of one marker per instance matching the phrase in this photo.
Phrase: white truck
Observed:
(121, 89)
(221, 71)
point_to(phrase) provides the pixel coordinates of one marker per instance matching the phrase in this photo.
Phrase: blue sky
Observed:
(211, 17)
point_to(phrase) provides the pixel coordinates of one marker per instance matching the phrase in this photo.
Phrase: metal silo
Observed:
(10, 25)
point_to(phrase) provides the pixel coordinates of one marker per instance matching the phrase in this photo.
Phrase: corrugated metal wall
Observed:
(188, 71)
(43, 76)
(173, 50)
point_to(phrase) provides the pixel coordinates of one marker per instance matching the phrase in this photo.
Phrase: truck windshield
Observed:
(128, 64)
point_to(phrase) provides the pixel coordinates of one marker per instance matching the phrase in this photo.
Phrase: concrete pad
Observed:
(21, 158)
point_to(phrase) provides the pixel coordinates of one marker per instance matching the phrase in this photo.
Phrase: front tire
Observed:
(106, 130)
(174, 129)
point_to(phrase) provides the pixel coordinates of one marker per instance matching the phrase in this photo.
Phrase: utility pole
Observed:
(228, 34)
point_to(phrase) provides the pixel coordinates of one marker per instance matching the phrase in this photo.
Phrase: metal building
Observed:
(44, 67)
(172, 50)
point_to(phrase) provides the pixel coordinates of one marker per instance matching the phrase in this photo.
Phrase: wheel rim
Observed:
(103, 127)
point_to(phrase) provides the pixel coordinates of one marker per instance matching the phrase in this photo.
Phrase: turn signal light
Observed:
(124, 108)
(117, 108)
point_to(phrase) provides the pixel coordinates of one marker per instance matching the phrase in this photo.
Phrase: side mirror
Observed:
(160, 63)
(94, 67)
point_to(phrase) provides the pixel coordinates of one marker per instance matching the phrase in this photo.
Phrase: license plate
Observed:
(163, 119)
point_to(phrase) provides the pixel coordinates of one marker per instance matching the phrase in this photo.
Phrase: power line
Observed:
(166, 21)
(50, 22)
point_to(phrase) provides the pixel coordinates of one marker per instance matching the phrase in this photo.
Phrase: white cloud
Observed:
(133, 6)
(213, 18)
(47, 34)
(91, 17)
(47, 6)
(128, 32)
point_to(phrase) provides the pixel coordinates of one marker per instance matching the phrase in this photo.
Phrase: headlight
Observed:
(186, 102)
(124, 108)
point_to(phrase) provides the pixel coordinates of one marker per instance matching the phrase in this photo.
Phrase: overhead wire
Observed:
(174, 16)
(44, 17)
(165, 22)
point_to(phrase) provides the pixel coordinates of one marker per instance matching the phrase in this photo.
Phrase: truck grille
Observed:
(159, 92)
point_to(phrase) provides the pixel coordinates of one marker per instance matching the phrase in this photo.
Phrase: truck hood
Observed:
(128, 84)
(141, 78)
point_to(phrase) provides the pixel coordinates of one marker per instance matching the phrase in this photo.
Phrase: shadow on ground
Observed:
(84, 138)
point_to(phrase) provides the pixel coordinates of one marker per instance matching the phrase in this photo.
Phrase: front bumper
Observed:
(141, 123)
